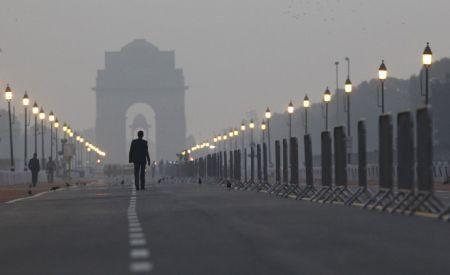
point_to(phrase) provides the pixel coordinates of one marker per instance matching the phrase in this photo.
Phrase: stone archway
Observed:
(140, 73)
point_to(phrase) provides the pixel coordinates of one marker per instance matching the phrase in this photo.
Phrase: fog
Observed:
(237, 56)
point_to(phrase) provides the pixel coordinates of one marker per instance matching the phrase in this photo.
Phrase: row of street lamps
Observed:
(54, 126)
(427, 58)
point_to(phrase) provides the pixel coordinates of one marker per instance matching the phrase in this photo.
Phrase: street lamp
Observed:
(56, 125)
(263, 129)
(306, 105)
(427, 58)
(51, 119)
(251, 125)
(8, 97)
(348, 90)
(382, 75)
(42, 118)
(25, 102)
(35, 111)
(236, 134)
(290, 110)
(326, 100)
(268, 116)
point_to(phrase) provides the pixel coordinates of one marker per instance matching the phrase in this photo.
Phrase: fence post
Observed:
(362, 154)
(385, 158)
(405, 151)
(340, 156)
(294, 159)
(424, 150)
(308, 160)
(285, 162)
(326, 158)
(277, 162)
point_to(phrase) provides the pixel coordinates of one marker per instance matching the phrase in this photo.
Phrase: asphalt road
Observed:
(191, 229)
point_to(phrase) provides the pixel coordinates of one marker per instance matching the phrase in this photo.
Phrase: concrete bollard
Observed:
(326, 158)
(277, 162)
(293, 144)
(340, 156)
(405, 151)
(362, 154)
(424, 149)
(285, 161)
(308, 160)
(385, 157)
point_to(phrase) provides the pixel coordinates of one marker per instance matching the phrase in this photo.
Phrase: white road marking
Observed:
(141, 267)
(138, 251)
(137, 242)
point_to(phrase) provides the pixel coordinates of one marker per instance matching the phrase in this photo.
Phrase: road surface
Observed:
(105, 228)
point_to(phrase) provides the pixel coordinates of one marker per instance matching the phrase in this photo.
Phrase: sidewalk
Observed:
(11, 192)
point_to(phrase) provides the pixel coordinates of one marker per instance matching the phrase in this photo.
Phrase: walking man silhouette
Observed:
(139, 157)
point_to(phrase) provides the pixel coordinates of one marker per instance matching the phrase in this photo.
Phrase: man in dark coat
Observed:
(139, 156)
(34, 167)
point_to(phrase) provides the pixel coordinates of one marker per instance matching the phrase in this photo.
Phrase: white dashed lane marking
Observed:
(139, 253)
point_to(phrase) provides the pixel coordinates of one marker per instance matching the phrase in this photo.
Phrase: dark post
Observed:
(340, 156)
(405, 151)
(225, 165)
(220, 164)
(245, 164)
(231, 164)
(258, 158)
(252, 164)
(362, 154)
(308, 160)
(326, 158)
(294, 159)
(266, 176)
(424, 150)
(277, 162)
(385, 158)
(285, 161)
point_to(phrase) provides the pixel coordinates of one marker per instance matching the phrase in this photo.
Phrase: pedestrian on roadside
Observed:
(51, 166)
(34, 167)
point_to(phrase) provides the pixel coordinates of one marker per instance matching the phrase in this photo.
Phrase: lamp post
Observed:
(348, 90)
(56, 126)
(236, 134)
(290, 110)
(8, 97)
(25, 102)
(77, 156)
(51, 119)
(35, 111)
(326, 100)
(427, 58)
(382, 75)
(81, 152)
(263, 129)
(268, 116)
(42, 118)
(251, 125)
(306, 105)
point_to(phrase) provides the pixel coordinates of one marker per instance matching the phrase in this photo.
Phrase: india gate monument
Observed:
(140, 74)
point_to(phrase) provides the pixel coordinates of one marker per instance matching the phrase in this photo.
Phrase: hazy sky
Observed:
(237, 55)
